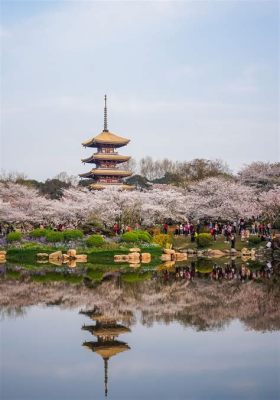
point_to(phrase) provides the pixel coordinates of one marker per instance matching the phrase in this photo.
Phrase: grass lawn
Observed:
(27, 257)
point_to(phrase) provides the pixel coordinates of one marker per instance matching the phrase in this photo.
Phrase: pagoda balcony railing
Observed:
(115, 167)
(106, 153)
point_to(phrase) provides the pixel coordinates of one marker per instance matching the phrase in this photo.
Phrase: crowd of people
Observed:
(6, 228)
(227, 230)
(120, 229)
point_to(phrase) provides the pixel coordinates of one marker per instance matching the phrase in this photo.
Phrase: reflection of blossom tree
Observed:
(199, 304)
(12, 312)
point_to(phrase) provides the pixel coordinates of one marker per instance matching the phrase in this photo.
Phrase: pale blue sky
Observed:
(184, 80)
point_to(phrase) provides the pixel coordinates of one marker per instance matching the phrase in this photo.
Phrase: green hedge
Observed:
(144, 236)
(137, 236)
(95, 241)
(38, 232)
(73, 234)
(51, 236)
(254, 240)
(204, 239)
(14, 237)
(54, 236)
(130, 237)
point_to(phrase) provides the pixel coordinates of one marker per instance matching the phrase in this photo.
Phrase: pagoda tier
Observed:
(107, 138)
(98, 316)
(99, 157)
(104, 172)
(106, 330)
(106, 159)
(108, 348)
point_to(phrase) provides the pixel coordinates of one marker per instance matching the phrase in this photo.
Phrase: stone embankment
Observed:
(134, 257)
(172, 255)
(2, 256)
(58, 258)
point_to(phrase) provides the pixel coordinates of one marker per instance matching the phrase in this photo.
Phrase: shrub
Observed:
(72, 234)
(54, 236)
(136, 236)
(162, 239)
(254, 240)
(38, 232)
(144, 236)
(14, 237)
(204, 239)
(95, 241)
(130, 237)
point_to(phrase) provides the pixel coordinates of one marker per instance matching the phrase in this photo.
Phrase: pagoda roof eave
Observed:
(105, 172)
(107, 349)
(111, 172)
(105, 157)
(86, 175)
(106, 137)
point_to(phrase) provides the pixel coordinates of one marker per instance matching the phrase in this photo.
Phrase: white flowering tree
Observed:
(23, 204)
(260, 174)
(209, 198)
(270, 204)
(222, 198)
(161, 204)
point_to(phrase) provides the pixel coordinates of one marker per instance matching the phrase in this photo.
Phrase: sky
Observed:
(184, 80)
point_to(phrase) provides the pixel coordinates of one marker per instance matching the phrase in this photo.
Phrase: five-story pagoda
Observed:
(106, 173)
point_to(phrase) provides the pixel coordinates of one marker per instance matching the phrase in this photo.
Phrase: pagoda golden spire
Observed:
(105, 114)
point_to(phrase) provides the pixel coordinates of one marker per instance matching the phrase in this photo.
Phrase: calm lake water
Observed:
(43, 358)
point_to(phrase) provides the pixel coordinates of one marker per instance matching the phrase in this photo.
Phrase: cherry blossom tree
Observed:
(222, 198)
(159, 205)
(270, 204)
(209, 198)
(260, 174)
(23, 204)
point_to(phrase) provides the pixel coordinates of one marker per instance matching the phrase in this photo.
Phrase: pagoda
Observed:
(106, 330)
(106, 159)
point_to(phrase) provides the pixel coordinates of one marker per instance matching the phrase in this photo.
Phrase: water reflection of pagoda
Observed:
(106, 173)
(106, 330)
